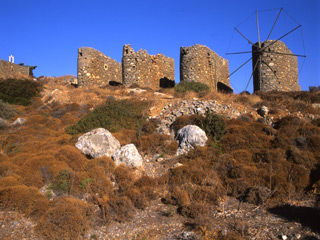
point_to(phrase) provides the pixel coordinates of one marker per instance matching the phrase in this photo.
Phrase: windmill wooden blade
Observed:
(297, 55)
(238, 53)
(240, 67)
(280, 37)
(243, 36)
(274, 23)
(254, 69)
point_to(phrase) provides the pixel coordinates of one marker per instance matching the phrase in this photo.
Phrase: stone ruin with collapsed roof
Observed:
(138, 68)
(197, 63)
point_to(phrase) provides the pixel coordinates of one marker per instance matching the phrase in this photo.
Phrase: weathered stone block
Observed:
(96, 68)
(277, 71)
(146, 70)
(9, 69)
(199, 63)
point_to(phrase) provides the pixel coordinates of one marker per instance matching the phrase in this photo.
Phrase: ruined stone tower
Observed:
(96, 68)
(278, 69)
(200, 64)
(146, 70)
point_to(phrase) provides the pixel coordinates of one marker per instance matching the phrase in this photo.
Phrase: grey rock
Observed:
(128, 155)
(189, 137)
(186, 235)
(3, 123)
(97, 143)
(263, 111)
(18, 122)
(257, 195)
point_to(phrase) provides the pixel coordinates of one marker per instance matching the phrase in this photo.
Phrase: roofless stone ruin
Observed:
(146, 70)
(10, 69)
(197, 63)
(96, 68)
(200, 64)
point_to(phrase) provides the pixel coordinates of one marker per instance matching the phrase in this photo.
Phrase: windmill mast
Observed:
(258, 29)
(259, 44)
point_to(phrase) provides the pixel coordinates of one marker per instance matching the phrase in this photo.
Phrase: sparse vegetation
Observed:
(44, 177)
(114, 115)
(314, 88)
(6, 111)
(17, 91)
(197, 87)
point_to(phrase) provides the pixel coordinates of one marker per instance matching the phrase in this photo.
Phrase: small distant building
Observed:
(199, 63)
(10, 69)
(96, 68)
(153, 71)
(278, 68)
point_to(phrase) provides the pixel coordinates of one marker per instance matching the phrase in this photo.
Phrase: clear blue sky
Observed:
(47, 33)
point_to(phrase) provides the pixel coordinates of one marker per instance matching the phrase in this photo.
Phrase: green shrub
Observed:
(213, 125)
(6, 111)
(61, 183)
(20, 92)
(314, 88)
(113, 115)
(197, 87)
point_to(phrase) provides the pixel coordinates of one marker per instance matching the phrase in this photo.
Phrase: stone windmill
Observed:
(274, 66)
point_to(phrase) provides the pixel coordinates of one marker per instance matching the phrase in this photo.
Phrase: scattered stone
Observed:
(177, 165)
(186, 235)
(163, 95)
(155, 157)
(262, 120)
(257, 195)
(160, 159)
(18, 122)
(316, 105)
(189, 137)
(263, 111)
(244, 118)
(190, 107)
(137, 90)
(3, 123)
(128, 155)
(97, 143)
(300, 142)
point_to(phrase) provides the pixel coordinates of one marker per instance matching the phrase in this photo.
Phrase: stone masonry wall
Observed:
(277, 71)
(9, 69)
(144, 69)
(200, 64)
(96, 68)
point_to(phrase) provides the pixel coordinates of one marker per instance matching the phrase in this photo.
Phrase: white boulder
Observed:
(97, 143)
(128, 155)
(189, 137)
(18, 122)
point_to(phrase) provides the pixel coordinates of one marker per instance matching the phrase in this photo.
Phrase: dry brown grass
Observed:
(284, 161)
(24, 199)
(67, 218)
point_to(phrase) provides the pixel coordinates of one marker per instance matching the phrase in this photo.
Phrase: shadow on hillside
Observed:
(307, 216)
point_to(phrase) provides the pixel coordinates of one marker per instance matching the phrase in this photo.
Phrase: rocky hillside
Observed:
(133, 163)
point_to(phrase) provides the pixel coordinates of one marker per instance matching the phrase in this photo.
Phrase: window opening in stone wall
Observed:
(222, 87)
(166, 83)
(105, 67)
(114, 83)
